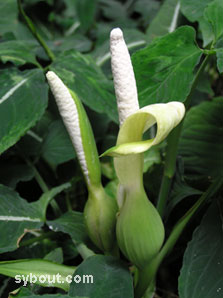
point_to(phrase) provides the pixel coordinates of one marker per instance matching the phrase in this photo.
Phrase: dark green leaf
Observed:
(17, 52)
(23, 268)
(81, 74)
(4, 285)
(24, 292)
(181, 190)
(165, 69)
(70, 10)
(220, 59)
(86, 12)
(201, 274)
(32, 248)
(23, 100)
(71, 223)
(194, 10)
(148, 10)
(40, 129)
(9, 22)
(214, 14)
(206, 30)
(76, 41)
(111, 278)
(8, 15)
(202, 139)
(55, 255)
(30, 144)
(165, 20)
(209, 15)
(16, 216)
(12, 173)
(46, 197)
(151, 157)
(113, 9)
(204, 84)
(33, 2)
(57, 147)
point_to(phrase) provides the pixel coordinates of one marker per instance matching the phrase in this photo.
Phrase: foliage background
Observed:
(37, 155)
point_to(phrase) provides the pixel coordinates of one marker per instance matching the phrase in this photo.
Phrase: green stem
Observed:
(148, 275)
(4, 285)
(37, 239)
(68, 203)
(34, 32)
(84, 251)
(194, 85)
(172, 149)
(178, 228)
(38, 178)
(169, 167)
(44, 187)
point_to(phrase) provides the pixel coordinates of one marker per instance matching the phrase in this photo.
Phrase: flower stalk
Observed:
(100, 209)
(139, 230)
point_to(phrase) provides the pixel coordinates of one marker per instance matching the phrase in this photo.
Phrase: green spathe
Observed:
(89, 147)
(129, 161)
(140, 231)
(100, 209)
(167, 116)
(100, 218)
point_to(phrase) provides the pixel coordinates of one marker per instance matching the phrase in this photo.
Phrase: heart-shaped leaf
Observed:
(201, 141)
(23, 100)
(80, 74)
(201, 274)
(110, 278)
(164, 70)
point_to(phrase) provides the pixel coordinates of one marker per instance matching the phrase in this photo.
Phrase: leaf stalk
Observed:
(172, 148)
(34, 32)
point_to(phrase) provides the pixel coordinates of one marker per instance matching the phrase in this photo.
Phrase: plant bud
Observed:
(140, 231)
(100, 210)
(100, 218)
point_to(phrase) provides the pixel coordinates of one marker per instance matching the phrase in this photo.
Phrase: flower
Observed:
(123, 74)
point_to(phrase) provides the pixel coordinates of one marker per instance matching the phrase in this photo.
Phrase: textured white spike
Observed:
(123, 75)
(69, 113)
